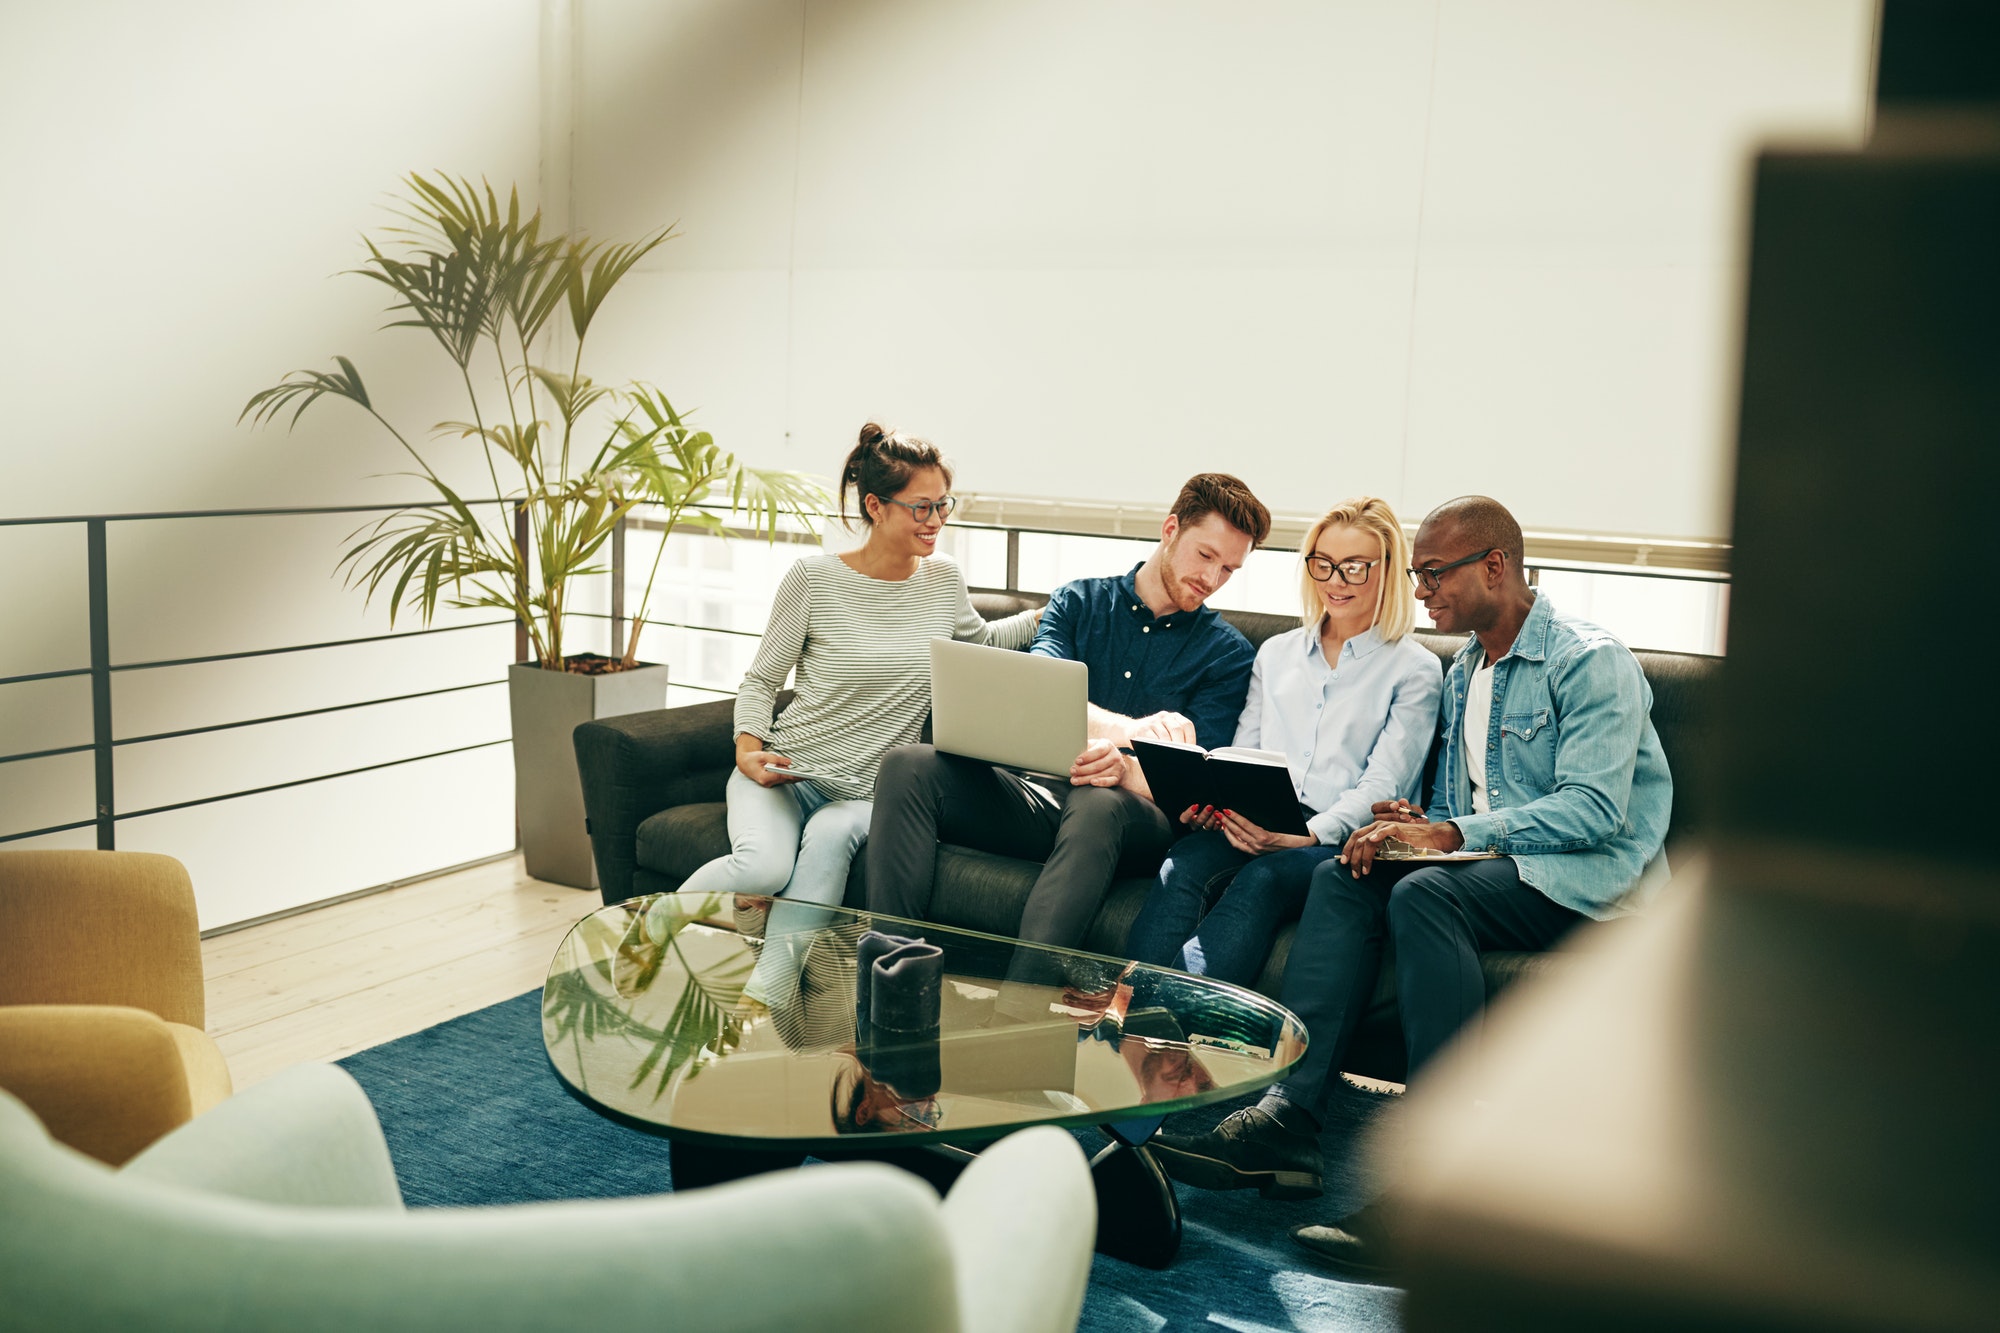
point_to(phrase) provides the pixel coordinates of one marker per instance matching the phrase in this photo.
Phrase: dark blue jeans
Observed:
(1258, 894)
(1437, 918)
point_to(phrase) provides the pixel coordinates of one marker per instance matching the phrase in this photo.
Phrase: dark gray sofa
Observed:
(653, 790)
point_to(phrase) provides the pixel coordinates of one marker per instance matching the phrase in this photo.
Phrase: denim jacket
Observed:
(1578, 784)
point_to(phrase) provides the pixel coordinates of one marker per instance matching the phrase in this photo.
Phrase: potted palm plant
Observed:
(567, 460)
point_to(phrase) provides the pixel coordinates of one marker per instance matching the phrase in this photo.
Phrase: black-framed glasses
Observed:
(1353, 573)
(923, 509)
(1426, 579)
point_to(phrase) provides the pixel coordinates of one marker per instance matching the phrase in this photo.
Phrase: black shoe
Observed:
(1249, 1150)
(1358, 1243)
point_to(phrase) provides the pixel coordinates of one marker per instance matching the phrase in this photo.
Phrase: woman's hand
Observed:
(1247, 837)
(751, 756)
(1203, 817)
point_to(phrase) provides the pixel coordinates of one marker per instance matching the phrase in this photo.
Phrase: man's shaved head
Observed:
(1478, 523)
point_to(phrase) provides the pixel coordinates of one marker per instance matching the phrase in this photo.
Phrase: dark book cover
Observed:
(1259, 790)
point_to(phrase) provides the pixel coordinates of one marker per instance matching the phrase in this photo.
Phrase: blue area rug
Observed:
(473, 1116)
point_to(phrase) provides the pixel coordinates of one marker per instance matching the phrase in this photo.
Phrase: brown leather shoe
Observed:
(1358, 1243)
(1249, 1150)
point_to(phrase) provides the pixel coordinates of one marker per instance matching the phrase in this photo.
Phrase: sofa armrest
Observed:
(105, 1079)
(100, 928)
(307, 1135)
(1022, 1223)
(848, 1246)
(635, 766)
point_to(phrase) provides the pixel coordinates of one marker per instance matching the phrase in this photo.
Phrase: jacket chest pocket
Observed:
(1528, 748)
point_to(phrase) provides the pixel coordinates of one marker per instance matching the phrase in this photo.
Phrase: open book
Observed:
(1256, 784)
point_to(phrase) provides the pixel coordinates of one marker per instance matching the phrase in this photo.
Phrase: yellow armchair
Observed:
(101, 1002)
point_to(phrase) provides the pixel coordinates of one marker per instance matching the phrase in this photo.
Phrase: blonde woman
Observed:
(1352, 702)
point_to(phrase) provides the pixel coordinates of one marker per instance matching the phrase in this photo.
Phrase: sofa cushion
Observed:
(682, 838)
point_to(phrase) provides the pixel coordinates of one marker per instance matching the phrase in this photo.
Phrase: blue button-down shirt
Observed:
(1193, 663)
(1353, 733)
(1579, 785)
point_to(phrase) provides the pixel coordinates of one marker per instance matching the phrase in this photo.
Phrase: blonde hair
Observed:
(1395, 605)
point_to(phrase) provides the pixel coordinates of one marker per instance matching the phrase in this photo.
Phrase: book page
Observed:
(1244, 752)
(1171, 745)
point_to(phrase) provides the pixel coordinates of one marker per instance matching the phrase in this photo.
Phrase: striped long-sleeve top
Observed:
(861, 648)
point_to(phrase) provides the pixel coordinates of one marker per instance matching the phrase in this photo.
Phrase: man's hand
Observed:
(1362, 845)
(1252, 840)
(1100, 765)
(1398, 812)
(1164, 726)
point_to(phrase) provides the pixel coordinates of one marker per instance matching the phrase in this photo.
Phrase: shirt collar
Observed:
(1128, 590)
(1533, 640)
(1363, 643)
(1531, 643)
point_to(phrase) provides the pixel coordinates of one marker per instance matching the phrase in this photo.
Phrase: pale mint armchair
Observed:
(279, 1209)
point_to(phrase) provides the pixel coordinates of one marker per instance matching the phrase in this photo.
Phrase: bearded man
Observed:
(1162, 664)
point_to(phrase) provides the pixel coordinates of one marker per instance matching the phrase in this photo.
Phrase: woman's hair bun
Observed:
(882, 462)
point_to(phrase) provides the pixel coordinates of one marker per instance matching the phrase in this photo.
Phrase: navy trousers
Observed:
(1438, 919)
(1216, 910)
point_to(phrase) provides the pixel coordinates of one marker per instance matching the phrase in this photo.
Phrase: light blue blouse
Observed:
(1352, 734)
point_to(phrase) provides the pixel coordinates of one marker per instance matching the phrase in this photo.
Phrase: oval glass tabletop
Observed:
(753, 1020)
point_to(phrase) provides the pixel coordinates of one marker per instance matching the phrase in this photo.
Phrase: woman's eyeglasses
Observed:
(1426, 578)
(923, 509)
(1353, 573)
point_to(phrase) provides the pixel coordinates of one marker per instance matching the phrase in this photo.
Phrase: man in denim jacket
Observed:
(1548, 765)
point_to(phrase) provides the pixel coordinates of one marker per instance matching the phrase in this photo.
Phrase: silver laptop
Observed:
(1018, 710)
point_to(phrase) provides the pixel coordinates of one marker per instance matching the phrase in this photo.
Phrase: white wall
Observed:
(1091, 246)
(1401, 246)
(184, 182)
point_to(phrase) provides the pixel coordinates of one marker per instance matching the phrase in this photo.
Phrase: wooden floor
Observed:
(339, 979)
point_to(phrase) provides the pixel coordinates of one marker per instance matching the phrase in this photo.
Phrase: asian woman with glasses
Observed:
(1351, 700)
(856, 629)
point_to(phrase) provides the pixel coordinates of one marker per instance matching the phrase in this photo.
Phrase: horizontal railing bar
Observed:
(671, 624)
(705, 689)
(304, 712)
(741, 534)
(1685, 573)
(302, 647)
(289, 510)
(44, 675)
(53, 828)
(44, 754)
(35, 833)
(300, 782)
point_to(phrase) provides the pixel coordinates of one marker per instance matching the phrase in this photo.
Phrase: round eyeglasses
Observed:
(923, 509)
(1353, 573)
(1426, 578)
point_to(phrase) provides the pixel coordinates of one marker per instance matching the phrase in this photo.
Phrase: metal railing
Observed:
(101, 668)
(1702, 571)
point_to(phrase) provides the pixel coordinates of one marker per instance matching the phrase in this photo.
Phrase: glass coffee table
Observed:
(753, 1032)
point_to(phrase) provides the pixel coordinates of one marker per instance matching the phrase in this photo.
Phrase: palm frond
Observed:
(573, 396)
(301, 389)
(598, 269)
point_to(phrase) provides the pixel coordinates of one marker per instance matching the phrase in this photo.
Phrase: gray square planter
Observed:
(547, 707)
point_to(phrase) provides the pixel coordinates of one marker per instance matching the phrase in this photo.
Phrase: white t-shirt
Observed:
(1478, 709)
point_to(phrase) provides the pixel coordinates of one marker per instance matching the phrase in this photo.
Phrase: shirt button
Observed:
(1145, 629)
(1128, 675)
